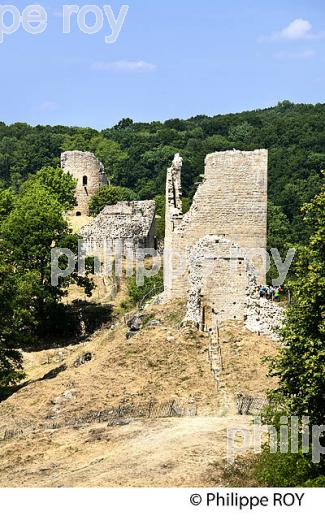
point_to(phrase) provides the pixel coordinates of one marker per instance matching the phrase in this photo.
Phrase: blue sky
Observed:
(172, 59)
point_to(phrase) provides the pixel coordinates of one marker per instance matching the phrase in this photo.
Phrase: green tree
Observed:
(10, 357)
(6, 202)
(242, 134)
(110, 154)
(279, 236)
(140, 294)
(34, 226)
(109, 195)
(61, 185)
(79, 139)
(300, 365)
(160, 201)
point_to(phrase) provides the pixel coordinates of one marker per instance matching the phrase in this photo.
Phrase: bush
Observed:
(109, 196)
(286, 469)
(151, 287)
(318, 482)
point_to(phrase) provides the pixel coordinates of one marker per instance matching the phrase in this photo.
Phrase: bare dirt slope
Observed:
(175, 452)
(48, 438)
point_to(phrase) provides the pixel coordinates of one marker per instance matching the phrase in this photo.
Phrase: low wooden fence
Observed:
(148, 410)
(116, 415)
(250, 405)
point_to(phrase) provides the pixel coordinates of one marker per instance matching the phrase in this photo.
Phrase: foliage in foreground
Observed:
(32, 224)
(300, 366)
(289, 470)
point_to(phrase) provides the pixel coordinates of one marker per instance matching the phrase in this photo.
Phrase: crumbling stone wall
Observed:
(220, 278)
(231, 202)
(89, 173)
(215, 254)
(263, 316)
(222, 287)
(122, 229)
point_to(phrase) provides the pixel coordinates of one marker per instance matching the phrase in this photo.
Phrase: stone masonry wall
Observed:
(223, 287)
(231, 202)
(89, 173)
(219, 282)
(263, 316)
(122, 228)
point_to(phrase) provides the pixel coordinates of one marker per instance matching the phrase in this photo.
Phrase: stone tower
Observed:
(230, 204)
(89, 173)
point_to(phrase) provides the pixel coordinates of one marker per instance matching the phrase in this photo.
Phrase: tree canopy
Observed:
(32, 223)
(136, 155)
(108, 196)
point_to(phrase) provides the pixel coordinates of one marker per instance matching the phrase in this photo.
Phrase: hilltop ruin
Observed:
(89, 173)
(122, 229)
(215, 255)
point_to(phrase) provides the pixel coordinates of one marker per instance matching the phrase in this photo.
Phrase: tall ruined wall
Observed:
(220, 280)
(231, 202)
(174, 213)
(89, 173)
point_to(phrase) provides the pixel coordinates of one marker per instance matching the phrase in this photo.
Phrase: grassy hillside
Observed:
(50, 432)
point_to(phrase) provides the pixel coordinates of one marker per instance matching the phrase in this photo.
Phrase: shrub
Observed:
(286, 469)
(108, 196)
(151, 287)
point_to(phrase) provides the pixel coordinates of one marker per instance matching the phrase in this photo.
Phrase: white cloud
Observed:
(48, 106)
(298, 29)
(287, 56)
(123, 66)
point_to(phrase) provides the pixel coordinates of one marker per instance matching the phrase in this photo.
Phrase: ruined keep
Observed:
(89, 173)
(215, 254)
(121, 229)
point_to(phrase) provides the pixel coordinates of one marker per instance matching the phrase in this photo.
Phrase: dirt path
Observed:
(154, 453)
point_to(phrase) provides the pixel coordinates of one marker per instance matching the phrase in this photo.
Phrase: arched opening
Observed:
(85, 180)
(78, 214)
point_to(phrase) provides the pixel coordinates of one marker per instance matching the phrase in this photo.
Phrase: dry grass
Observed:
(243, 353)
(153, 453)
(163, 363)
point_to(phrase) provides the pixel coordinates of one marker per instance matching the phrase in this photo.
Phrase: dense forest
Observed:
(136, 155)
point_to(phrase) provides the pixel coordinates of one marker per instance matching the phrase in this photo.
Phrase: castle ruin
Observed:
(89, 174)
(122, 229)
(215, 255)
